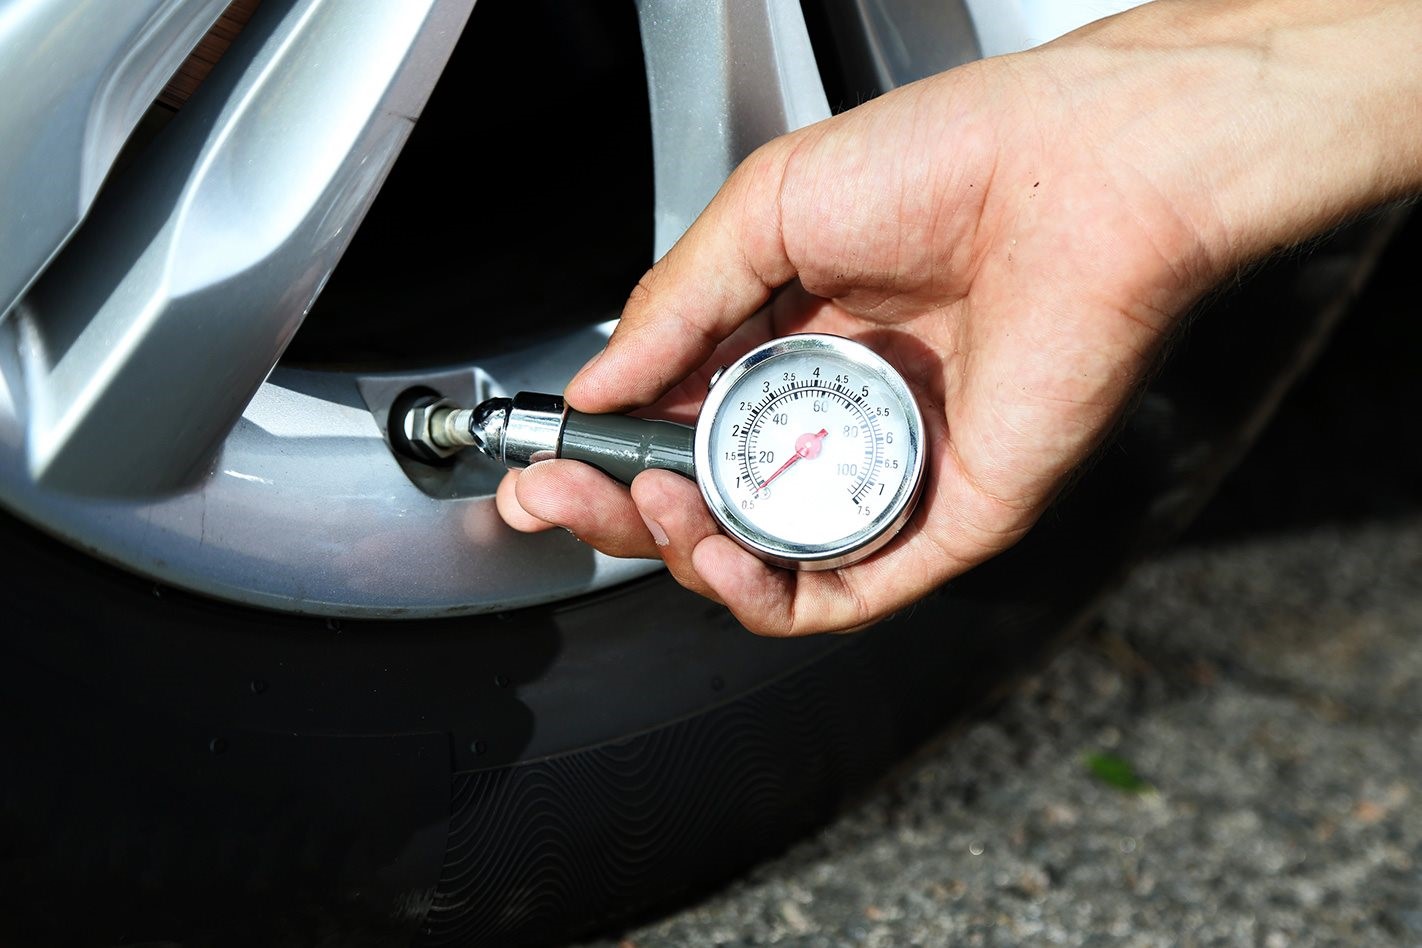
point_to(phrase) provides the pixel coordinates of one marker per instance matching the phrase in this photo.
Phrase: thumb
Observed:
(713, 279)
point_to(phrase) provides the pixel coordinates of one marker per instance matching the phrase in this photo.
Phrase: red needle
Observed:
(806, 446)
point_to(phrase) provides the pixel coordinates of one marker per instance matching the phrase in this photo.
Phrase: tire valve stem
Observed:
(532, 426)
(433, 428)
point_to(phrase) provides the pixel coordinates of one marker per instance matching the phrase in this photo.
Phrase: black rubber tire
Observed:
(183, 771)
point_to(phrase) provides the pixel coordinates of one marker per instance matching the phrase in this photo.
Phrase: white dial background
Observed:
(847, 430)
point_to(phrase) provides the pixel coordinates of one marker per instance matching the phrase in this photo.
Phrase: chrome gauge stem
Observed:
(533, 426)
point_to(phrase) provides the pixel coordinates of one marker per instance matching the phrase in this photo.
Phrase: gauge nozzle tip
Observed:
(485, 424)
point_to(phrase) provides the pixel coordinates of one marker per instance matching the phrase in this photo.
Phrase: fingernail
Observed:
(659, 536)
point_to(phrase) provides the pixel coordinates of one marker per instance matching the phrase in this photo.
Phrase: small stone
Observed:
(1369, 812)
(1059, 814)
(794, 917)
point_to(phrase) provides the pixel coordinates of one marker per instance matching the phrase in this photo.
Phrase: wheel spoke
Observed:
(883, 44)
(1010, 27)
(150, 333)
(77, 78)
(723, 77)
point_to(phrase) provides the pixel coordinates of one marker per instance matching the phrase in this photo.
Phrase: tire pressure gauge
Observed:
(808, 449)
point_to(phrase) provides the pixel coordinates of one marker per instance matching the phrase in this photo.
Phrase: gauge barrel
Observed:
(533, 426)
(623, 447)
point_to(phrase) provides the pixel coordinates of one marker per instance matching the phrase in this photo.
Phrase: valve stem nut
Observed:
(422, 429)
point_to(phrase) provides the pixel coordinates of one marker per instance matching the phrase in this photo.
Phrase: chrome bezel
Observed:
(850, 549)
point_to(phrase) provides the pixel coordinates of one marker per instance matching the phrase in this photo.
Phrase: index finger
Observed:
(716, 276)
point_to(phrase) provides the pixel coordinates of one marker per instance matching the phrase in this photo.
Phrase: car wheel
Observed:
(267, 682)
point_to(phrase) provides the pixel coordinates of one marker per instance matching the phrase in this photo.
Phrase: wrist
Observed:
(1263, 122)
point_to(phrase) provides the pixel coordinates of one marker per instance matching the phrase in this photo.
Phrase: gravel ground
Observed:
(1232, 757)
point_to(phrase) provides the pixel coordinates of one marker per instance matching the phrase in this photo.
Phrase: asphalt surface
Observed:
(1231, 757)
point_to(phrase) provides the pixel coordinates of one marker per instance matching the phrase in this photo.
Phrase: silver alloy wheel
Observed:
(143, 413)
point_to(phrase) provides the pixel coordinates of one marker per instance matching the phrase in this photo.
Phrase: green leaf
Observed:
(1116, 772)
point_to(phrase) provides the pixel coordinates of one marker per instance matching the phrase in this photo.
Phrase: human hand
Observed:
(1017, 237)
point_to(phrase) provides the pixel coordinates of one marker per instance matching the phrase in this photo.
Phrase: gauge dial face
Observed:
(812, 451)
